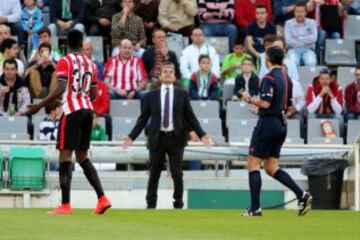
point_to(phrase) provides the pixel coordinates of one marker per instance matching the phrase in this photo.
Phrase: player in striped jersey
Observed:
(77, 79)
(125, 74)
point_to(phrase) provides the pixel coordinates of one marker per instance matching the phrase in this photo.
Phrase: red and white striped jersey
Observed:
(80, 73)
(126, 75)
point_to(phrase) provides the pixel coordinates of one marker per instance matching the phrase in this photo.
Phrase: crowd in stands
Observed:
(137, 32)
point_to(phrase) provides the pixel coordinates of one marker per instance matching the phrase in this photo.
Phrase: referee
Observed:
(270, 132)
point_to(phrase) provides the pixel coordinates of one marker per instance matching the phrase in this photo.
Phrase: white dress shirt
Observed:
(171, 98)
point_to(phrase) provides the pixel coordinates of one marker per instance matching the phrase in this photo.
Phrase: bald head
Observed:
(126, 48)
(88, 48)
(4, 32)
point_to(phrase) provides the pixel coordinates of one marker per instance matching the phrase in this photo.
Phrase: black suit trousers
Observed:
(166, 145)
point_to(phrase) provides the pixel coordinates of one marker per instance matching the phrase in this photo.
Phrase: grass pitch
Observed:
(22, 224)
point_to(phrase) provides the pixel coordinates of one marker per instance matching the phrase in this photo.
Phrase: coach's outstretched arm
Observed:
(54, 95)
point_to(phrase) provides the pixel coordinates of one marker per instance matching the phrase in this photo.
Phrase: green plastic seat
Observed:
(27, 168)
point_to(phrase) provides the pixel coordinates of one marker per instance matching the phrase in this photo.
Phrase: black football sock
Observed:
(92, 177)
(285, 179)
(255, 188)
(65, 174)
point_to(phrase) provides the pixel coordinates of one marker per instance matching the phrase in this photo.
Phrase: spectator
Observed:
(324, 97)
(44, 37)
(216, 19)
(127, 25)
(88, 50)
(49, 127)
(66, 15)
(10, 49)
(148, 10)
(246, 81)
(98, 133)
(177, 16)
(31, 21)
(41, 76)
(245, 12)
(352, 97)
(4, 32)
(231, 66)
(98, 16)
(328, 16)
(298, 97)
(257, 30)
(10, 14)
(154, 57)
(203, 83)
(14, 95)
(300, 37)
(352, 6)
(102, 106)
(283, 11)
(189, 60)
(125, 74)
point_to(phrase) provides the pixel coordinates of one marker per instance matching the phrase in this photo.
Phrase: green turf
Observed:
(174, 224)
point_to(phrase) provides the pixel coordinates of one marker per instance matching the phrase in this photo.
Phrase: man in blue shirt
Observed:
(270, 132)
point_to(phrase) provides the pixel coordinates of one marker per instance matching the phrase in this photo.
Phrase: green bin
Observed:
(27, 168)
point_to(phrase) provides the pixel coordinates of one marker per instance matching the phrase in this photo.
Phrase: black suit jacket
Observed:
(183, 118)
(77, 9)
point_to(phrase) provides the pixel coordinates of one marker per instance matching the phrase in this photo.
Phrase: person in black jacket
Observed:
(99, 14)
(64, 18)
(171, 115)
(247, 80)
(154, 57)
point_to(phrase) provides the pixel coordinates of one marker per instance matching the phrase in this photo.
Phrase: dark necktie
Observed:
(166, 109)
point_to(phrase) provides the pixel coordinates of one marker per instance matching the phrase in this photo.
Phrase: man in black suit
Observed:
(171, 117)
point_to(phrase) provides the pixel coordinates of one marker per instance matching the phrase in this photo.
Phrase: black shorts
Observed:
(74, 131)
(268, 137)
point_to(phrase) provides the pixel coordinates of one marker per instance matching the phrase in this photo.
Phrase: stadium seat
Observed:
(18, 125)
(42, 110)
(14, 136)
(1, 169)
(351, 27)
(241, 130)
(98, 45)
(125, 108)
(27, 168)
(307, 74)
(221, 44)
(176, 43)
(293, 132)
(46, 18)
(345, 75)
(238, 110)
(353, 131)
(213, 128)
(228, 92)
(36, 120)
(340, 52)
(206, 109)
(315, 134)
(122, 127)
(55, 42)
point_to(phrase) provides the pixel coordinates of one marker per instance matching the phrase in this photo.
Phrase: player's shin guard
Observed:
(255, 188)
(286, 180)
(92, 177)
(65, 174)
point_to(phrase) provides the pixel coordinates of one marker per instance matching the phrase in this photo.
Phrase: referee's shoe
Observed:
(305, 204)
(252, 213)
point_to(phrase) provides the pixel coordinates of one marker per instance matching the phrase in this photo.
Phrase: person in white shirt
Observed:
(10, 14)
(190, 55)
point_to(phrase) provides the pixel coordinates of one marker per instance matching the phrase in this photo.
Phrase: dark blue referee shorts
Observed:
(268, 137)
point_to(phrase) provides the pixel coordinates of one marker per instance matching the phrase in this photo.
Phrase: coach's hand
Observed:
(206, 140)
(32, 109)
(127, 142)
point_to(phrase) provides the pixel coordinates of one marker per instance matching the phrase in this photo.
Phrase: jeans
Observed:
(351, 116)
(16, 29)
(322, 36)
(55, 30)
(219, 30)
(138, 95)
(353, 8)
(302, 55)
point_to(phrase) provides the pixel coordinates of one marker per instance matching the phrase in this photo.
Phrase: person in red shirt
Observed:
(352, 97)
(245, 11)
(77, 83)
(102, 106)
(324, 97)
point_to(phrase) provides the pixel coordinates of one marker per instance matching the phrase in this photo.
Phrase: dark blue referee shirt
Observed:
(273, 90)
